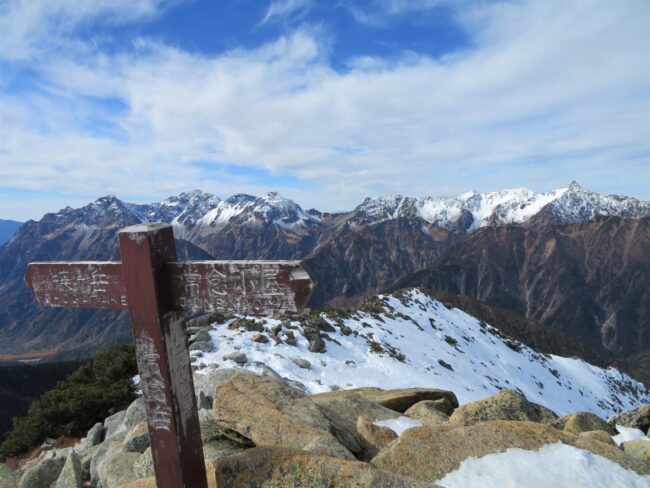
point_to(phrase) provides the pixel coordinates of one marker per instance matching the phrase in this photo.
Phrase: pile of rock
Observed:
(258, 430)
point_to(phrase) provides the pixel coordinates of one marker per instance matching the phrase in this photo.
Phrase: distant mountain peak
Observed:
(575, 186)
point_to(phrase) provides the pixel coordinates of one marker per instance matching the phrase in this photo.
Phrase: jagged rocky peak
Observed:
(578, 205)
(105, 209)
(271, 208)
(183, 211)
(382, 208)
(194, 198)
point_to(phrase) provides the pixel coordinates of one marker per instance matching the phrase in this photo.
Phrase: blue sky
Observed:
(326, 102)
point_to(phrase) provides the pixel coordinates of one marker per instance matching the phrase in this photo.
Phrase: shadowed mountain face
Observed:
(588, 280)
(356, 261)
(7, 229)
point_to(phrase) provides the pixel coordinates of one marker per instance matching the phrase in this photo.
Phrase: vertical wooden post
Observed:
(163, 358)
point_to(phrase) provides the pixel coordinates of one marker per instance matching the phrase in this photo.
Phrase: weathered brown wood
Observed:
(243, 287)
(163, 359)
(79, 284)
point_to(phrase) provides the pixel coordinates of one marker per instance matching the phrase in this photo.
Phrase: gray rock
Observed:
(301, 363)
(375, 437)
(238, 357)
(91, 472)
(221, 448)
(70, 476)
(204, 346)
(62, 453)
(201, 336)
(316, 344)
(343, 413)
(94, 436)
(206, 320)
(579, 422)
(266, 370)
(143, 467)
(283, 467)
(208, 383)
(268, 412)
(260, 338)
(505, 405)
(135, 414)
(205, 401)
(137, 440)
(427, 412)
(209, 426)
(117, 468)
(190, 331)
(9, 478)
(86, 458)
(250, 325)
(43, 475)
(639, 418)
(114, 424)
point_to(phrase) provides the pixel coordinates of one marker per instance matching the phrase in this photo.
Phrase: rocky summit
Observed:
(259, 430)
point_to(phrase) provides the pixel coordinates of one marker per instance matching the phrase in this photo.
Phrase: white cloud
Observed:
(551, 91)
(29, 26)
(284, 9)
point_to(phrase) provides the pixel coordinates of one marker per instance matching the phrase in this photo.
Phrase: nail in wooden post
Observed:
(162, 357)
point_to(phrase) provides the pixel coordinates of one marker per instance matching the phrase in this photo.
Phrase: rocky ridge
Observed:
(409, 339)
(261, 431)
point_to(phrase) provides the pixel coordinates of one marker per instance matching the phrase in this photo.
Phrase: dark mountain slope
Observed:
(588, 280)
(356, 261)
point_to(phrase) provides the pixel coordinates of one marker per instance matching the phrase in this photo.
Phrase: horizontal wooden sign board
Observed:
(242, 287)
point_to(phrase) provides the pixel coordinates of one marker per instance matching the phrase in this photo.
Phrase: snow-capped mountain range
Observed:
(196, 214)
(370, 248)
(472, 210)
(413, 340)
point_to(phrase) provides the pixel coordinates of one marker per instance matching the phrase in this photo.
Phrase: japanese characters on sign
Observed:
(245, 287)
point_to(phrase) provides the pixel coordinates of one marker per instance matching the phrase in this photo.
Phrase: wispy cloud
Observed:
(551, 91)
(377, 12)
(29, 27)
(286, 9)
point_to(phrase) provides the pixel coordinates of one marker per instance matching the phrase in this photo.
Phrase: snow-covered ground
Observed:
(553, 465)
(418, 342)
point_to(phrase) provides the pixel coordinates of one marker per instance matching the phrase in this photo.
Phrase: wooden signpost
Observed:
(156, 289)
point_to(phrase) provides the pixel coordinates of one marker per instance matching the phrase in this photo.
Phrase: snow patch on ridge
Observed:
(416, 341)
